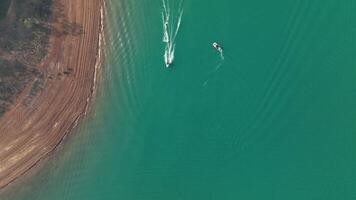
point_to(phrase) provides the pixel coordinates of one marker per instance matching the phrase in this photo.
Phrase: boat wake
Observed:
(222, 58)
(171, 24)
(214, 70)
(222, 55)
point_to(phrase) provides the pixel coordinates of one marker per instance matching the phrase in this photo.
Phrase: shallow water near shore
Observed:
(275, 119)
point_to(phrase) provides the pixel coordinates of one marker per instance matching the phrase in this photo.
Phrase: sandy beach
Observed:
(34, 127)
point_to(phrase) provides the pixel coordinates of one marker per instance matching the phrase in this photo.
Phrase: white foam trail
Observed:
(170, 26)
(218, 66)
(178, 24)
(222, 55)
(165, 7)
(165, 31)
(215, 70)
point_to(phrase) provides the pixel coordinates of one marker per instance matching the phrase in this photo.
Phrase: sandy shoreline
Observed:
(29, 132)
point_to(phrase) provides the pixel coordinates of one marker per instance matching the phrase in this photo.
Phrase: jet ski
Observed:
(168, 62)
(168, 58)
(217, 47)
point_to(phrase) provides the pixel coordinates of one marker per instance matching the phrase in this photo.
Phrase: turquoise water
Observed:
(274, 120)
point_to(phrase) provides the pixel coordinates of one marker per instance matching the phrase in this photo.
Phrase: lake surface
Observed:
(274, 120)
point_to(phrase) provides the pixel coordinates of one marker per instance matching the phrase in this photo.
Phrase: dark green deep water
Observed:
(275, 121)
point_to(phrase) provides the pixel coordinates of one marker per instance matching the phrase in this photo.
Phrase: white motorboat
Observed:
(217, 47)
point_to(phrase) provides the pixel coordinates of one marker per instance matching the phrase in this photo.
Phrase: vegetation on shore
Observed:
(25, 28)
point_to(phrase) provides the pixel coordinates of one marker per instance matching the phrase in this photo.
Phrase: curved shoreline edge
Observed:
(28, 134)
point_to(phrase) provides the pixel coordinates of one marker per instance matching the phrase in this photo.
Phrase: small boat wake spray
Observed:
(170, 31)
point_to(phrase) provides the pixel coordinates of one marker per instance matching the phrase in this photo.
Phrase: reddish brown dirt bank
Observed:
(33, 127)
